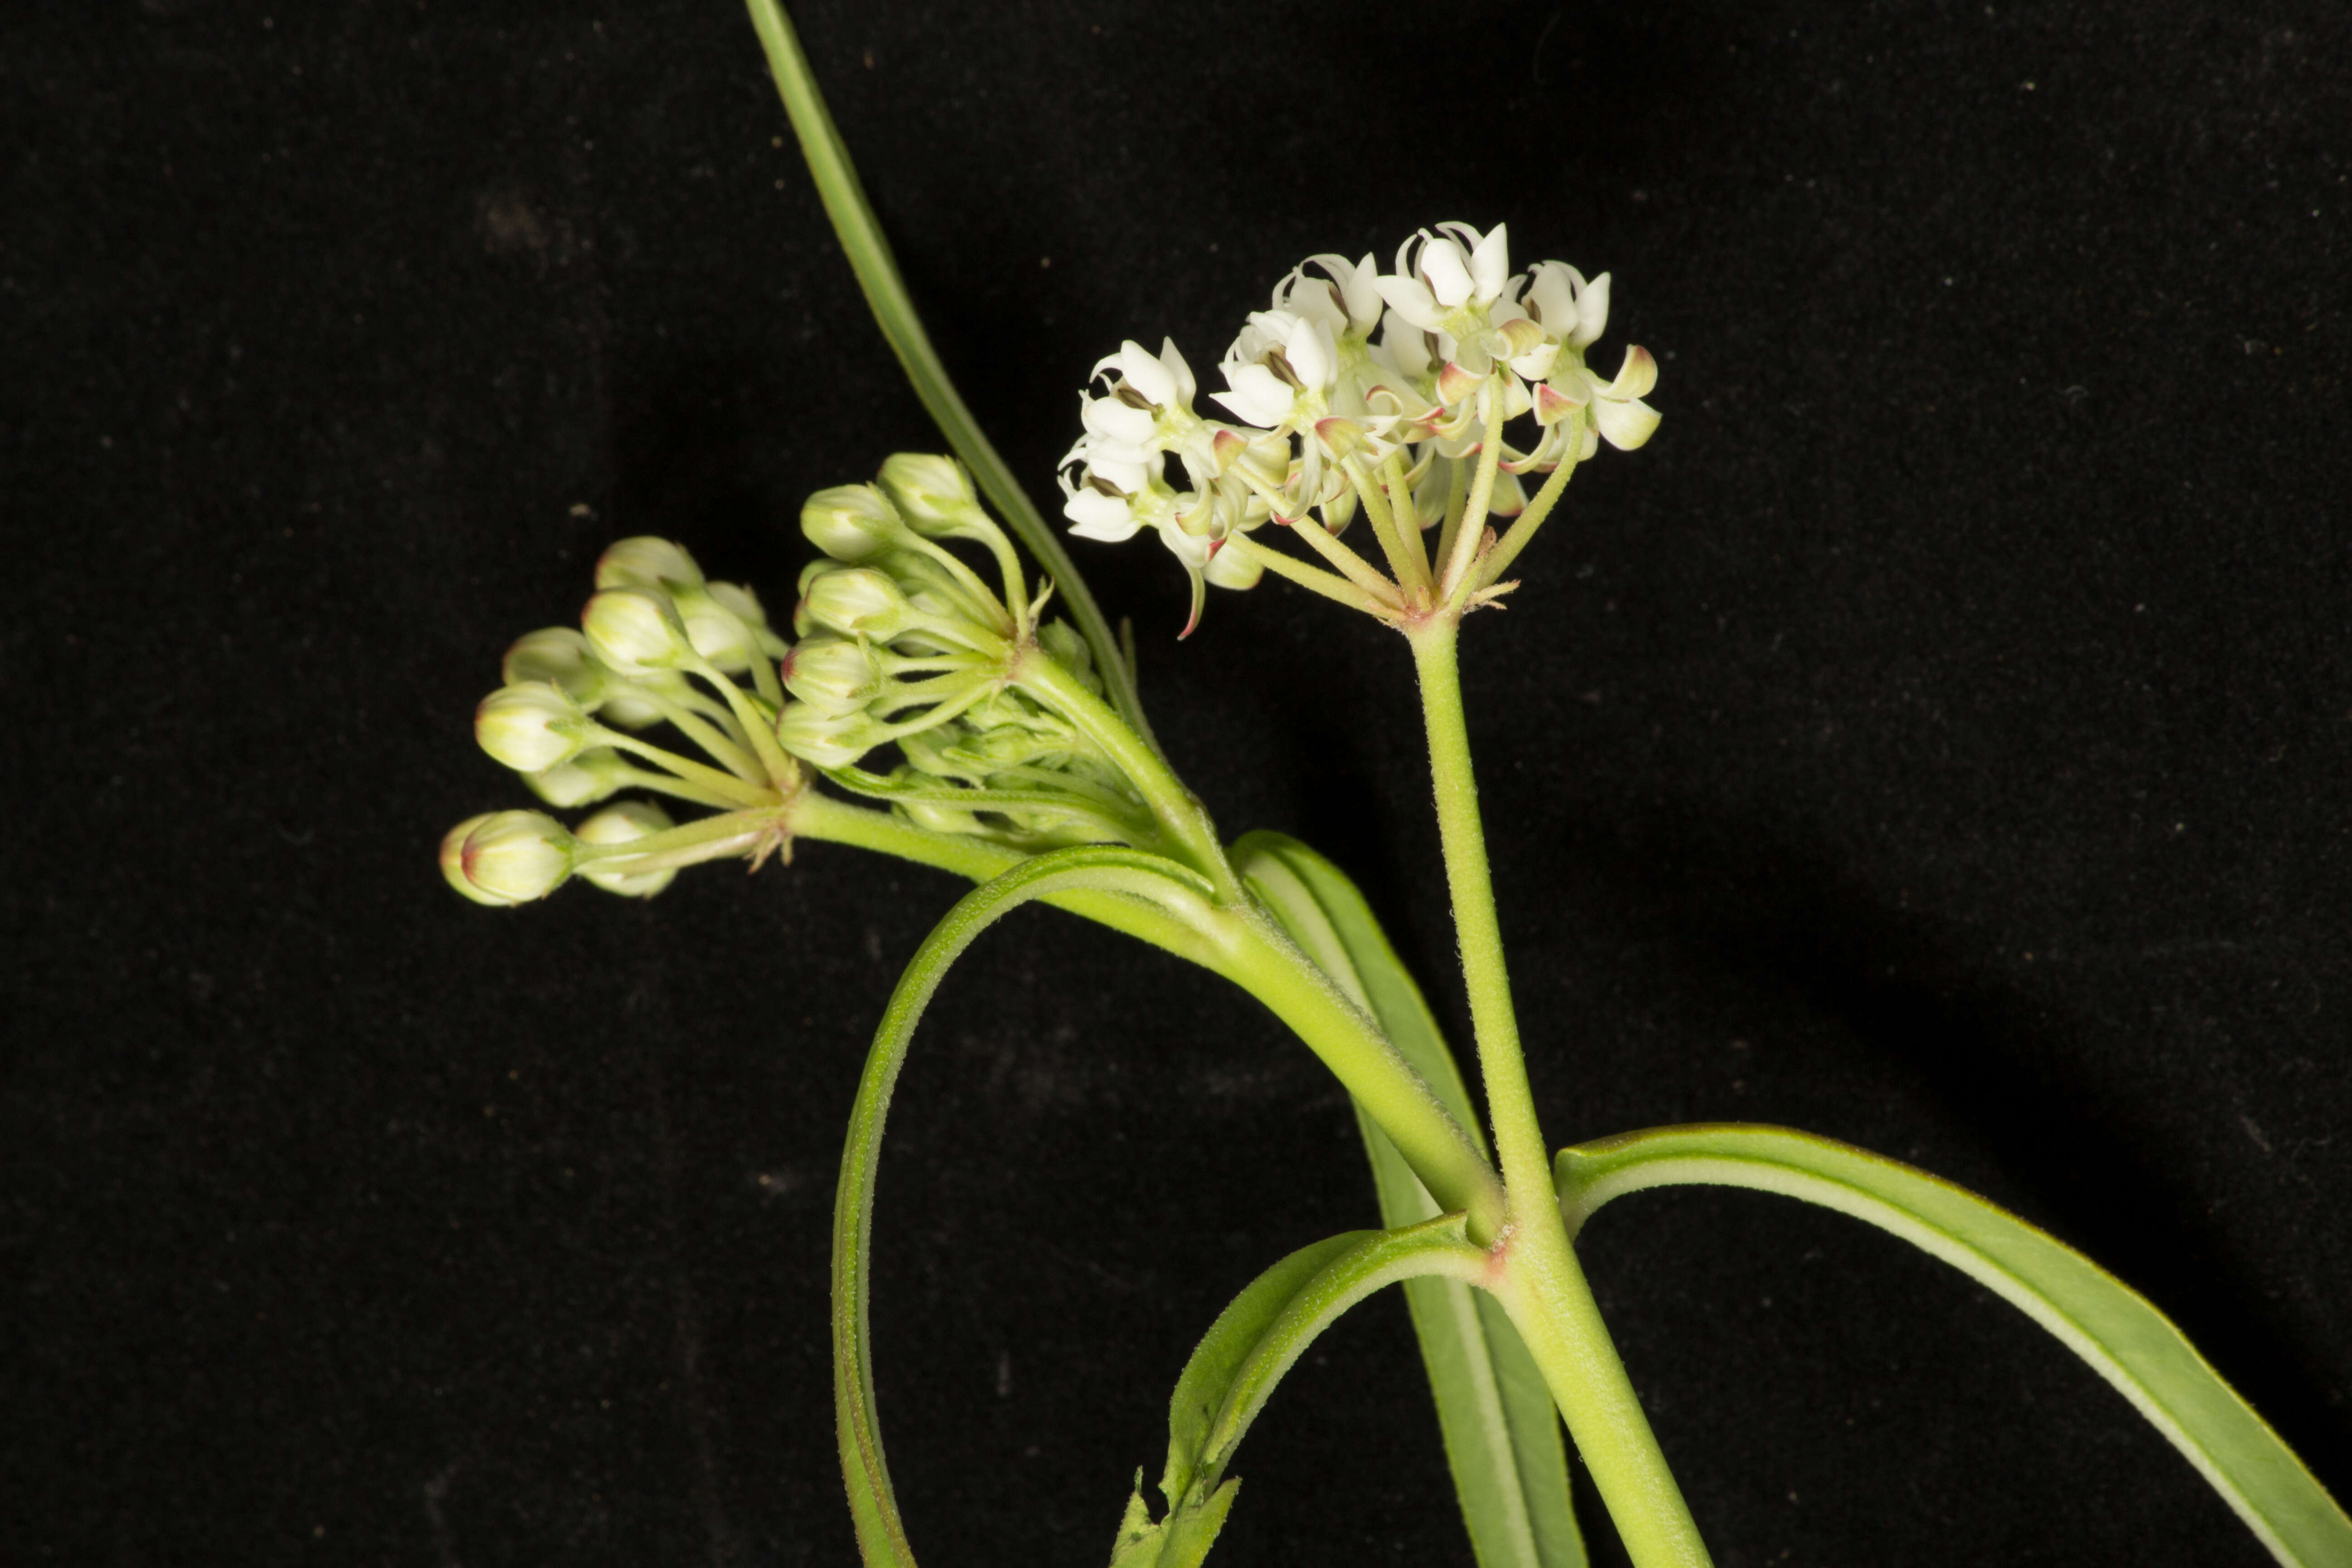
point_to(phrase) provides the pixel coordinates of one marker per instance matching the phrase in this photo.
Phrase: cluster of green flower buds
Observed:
(658, 643)
(902, 643)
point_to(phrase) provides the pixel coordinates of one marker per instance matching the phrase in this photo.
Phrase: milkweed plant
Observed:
(1391, 436)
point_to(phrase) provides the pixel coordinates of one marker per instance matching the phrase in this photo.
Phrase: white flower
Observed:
(1348, 303)
(1566, 306)
(1444, 291)
(1281, 371)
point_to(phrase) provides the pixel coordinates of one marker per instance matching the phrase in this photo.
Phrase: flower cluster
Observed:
(1331, 418)
(902, 644)
(658, 643)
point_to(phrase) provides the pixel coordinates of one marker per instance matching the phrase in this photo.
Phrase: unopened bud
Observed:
(852, 522)
(584, 780)
(935, 496)
(635, 631)
(559, 654)
(831, 675)
(830, 741)
(625, 824)
(507, 857)
(717, 632)
(645, 562)
(860, 602)
(531, 727)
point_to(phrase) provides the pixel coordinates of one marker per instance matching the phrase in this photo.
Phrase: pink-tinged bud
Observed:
(852, 522)
(507, 857)
(1455, 383)
(645, 562)
(635, 631)
(625, 824)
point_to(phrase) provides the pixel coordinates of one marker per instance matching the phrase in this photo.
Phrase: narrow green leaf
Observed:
(1501, 1431)
(1255, 1340)
(881, 1537)
(894, 312)
(2111, 1326)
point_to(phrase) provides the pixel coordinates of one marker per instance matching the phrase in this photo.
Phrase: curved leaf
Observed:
(1255, 1340)
(2111, 1326)
(894, 313)
(881, 1537)
(1501, 1430)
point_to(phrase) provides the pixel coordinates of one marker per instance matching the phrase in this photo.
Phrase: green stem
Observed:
(1180, 815)
(1524, 530)
(894, 313)
(1241, 945)
(1257, 956)
(1541, 1285)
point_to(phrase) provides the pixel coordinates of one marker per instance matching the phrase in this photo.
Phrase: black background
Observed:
(1935, 739)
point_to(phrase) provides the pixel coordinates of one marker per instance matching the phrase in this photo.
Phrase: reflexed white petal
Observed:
(1146, 375)
(1536, 363)
(1592, 311)
(1448, 273)
(1259, 396)
(1636, 376)
(1407, 297)
(1094, 515)
(1625, 423)
(1178, 371)
(1193, 553)
(1490, 264)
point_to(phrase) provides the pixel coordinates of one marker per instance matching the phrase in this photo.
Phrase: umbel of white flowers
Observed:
(1320, 407)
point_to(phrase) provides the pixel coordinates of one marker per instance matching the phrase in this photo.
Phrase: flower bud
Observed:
(718, 634)
(507, 857)
(645, 562)
(934, 494)
(852, 522)
(858, 603)
(625, 824)
(832, 674)
(829, 741)
(635, 631)
(559, 654)
(584, 780)
(531, 727)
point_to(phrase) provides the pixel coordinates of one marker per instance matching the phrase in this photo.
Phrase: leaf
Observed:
(881, 1536)
(2111, 1326)
(1234, 1369)
(1501, 1430)
(894, 312)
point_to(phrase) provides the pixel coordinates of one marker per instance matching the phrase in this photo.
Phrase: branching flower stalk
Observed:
(961, 722)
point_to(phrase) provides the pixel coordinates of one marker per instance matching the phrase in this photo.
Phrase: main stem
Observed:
(1541, 1284)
